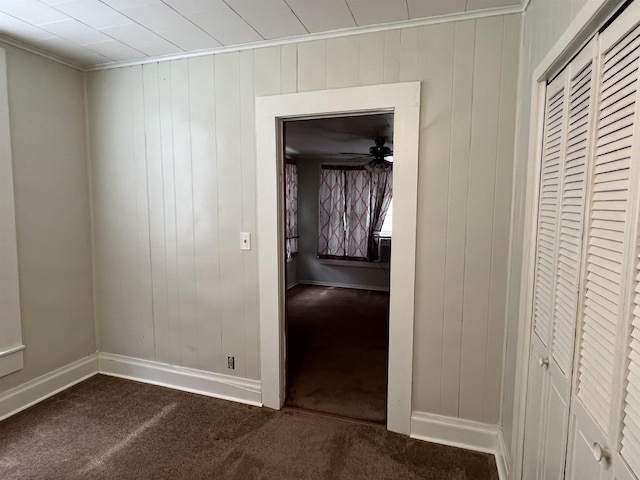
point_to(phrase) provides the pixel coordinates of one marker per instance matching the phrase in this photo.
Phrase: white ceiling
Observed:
(102, 32)
(337, 138)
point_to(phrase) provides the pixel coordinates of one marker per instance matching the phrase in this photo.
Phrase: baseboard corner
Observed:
(461, 433)
(34, 391)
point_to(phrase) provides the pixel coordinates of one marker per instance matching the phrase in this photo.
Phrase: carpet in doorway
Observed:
(107, 428)
(337, 345)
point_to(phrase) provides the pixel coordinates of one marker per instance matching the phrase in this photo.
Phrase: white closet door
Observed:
(539, 436)
(548, 208)
(576, 158)
(608, 255)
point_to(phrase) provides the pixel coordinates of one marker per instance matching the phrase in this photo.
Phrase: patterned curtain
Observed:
(357, 192)
(291, 208)
(381, 193)
(331, 213)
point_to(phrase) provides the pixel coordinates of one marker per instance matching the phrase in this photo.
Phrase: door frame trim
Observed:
(404, 100)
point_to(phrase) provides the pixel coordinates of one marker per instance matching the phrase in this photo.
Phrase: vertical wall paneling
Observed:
(501, 212)
(408, 58)
(205, 209)
(228, 133)
(342, 62)
(371, 58)
(250, 258)
(457, 215)
(391, 57)
(435, 47)
(169, 202)
(267, 70)
(181, 122)
(485, 119)
(311, 66)
(289, 65)
(142, 260)
(153, 143)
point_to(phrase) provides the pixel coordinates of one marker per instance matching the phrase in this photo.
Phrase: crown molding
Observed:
(41, 53)
(454, 17)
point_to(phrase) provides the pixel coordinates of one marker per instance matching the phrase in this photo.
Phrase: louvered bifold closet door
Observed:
(576, 157)
(607, 233)
(626, 55)
(548, 209)
(630, 442)
(597, 428)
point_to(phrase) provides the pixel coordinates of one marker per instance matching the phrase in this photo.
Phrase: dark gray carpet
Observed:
(109, 428)
(338, 341)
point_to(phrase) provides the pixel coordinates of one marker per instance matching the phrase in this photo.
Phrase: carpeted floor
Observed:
(109, 428)
(337, 344)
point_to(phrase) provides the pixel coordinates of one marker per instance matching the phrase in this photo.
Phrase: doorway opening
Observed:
(338, 195)
(404, 100)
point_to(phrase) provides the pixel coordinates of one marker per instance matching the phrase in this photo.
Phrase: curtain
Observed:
(331, 212)
(291, 208)
(381, 193)
(353, 204)
(357, 192)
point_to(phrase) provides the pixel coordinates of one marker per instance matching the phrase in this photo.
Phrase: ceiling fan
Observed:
(382, 155)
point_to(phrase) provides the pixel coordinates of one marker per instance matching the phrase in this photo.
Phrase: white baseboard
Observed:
(292, 284)
(216, 385)
(41, 388)
(343, 285)
(456, 432)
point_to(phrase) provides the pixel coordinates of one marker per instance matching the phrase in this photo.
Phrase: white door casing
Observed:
(404, 100)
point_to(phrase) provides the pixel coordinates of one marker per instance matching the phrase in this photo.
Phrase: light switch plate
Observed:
(245, 241)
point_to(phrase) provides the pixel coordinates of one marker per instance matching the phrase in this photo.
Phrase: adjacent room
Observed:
(338, 232)
(341, 239)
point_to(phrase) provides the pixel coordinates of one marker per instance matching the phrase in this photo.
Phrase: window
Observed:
(291, 208)
(10, 328)
(353, 204)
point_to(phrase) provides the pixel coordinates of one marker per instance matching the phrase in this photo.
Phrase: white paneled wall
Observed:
(51, 190)
(173, 181)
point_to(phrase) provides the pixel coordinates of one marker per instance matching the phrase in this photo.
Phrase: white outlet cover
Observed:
(245, 240)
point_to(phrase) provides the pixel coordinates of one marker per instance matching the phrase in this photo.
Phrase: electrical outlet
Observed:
(231, 363)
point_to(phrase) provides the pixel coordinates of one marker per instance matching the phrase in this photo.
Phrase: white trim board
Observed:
(404, 100)
(216, 385)
(23, 396)
(456, 432)
(342, 285)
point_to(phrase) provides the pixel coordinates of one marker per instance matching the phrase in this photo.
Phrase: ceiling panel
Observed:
(168, 23)
(74, 31)
(270, 18)
(20, 30)
(92, 12)
(138, 37)
(372, 12)
(218, 20)
(65, 49)
(115, 51)
(31, 11)
(432, 8)
(323, 16)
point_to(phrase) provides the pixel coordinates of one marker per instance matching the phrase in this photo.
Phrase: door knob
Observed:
(543, 362)
(600, 453)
